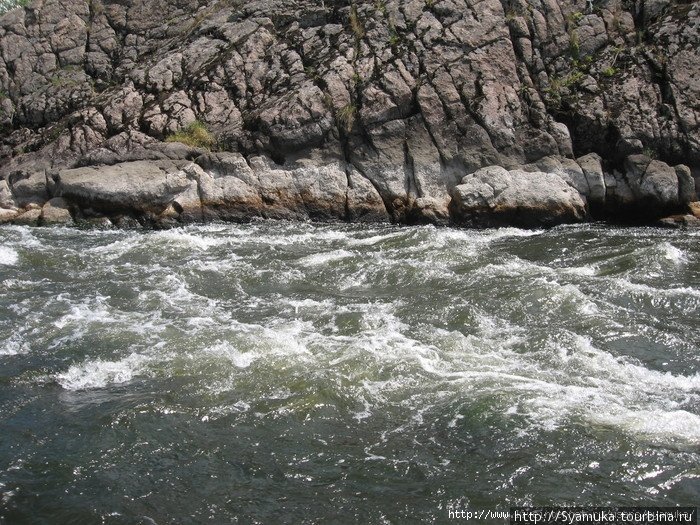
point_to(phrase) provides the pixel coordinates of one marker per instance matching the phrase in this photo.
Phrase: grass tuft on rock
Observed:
(356, 24)
(196, 135)
(346, 117)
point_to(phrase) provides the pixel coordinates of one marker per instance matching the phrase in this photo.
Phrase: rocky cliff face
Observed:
(465, 111)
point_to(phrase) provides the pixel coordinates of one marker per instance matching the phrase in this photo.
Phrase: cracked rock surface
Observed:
(475, 112)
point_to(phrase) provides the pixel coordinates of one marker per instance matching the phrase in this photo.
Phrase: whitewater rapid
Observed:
(571, 342)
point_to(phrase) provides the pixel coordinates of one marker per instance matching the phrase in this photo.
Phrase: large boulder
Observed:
(7, 200)
(28, 187)
(657, 187)
(686, 184)
(29, 217)
(235, 188)
(7, 216)
(55, 212)
(592, 168)
(494, 196)
(364, 204)
(141, 187)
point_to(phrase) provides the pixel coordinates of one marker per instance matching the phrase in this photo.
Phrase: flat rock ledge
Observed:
(230, 187)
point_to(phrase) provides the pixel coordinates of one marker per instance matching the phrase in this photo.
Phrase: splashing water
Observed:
(342, 373)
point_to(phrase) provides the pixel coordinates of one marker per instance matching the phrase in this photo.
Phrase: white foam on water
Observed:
(671, 253)
(14, 345)
(275, 347)
(10, 284)
(8, 256)
(311, 306)
(390, 358)
(375, 239)
(626, 284)
(98, 312)
(233, 354)
(582, 271)
(594, 386)
(545, 279)
(286, 339)
(23, 236)
(181, 237)
(502, 233)
(320, 259)
(658, 426)
(231, 262)
(172, 292)
(7, 495)
(116, 249)
(551, 385)
(284, 238)
(514, 267)
(91, 311)
(100, 374)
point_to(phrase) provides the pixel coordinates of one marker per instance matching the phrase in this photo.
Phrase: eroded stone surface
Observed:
(494, 196)
(56, 211)
(404, 98)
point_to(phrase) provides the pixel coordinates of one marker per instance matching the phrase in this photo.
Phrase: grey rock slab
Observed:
(593, 171)
(28, 218)
(138, 186)
(7, 215)
(56, 211)
(494, 196)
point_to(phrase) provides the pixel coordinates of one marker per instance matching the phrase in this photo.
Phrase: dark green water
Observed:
(296, 373)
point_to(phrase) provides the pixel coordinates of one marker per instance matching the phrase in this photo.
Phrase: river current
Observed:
(298, 373)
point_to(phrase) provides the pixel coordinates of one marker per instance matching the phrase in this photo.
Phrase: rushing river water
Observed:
(299, 373)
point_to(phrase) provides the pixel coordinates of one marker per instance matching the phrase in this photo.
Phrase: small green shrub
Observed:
(560, 89)
(574, 44)
(196, 135)
(649, 152)
(355, 23)
(328, 100)
(609, 72)
(380, 5)
(312, 73)
(346, 117)
(575, 17)
(394, 39)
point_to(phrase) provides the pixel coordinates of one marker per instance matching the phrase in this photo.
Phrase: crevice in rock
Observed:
(412, 185)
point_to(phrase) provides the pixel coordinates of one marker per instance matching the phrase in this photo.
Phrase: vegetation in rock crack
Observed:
(346, 117)
(196, 135)
(609, 71)
(356, 24)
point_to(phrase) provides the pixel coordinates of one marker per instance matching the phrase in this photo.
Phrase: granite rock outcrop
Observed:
(410, 111)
